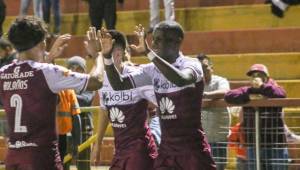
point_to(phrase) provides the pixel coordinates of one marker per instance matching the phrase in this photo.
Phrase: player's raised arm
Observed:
(167, 39)
(117, 81)
(93, 47)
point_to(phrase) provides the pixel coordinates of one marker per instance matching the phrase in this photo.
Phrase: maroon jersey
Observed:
(127, 111)
(179, 107)
(28, 92)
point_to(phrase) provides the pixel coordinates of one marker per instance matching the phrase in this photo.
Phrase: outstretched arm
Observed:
(117, 81)
(93, 47)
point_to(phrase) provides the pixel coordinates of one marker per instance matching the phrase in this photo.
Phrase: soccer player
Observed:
(135, 147)
(178, 86)
(28, 89)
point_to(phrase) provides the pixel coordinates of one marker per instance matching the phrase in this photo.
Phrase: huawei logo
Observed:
(166, 105)
(116, 115)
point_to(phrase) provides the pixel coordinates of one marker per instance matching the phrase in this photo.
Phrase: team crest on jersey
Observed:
(17, 70)
(167, 108)
(117, 118)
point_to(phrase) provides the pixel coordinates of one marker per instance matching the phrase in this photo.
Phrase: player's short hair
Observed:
(4, 44)
(170, 26)
(202, 57)
(119, 38)
(26, 32)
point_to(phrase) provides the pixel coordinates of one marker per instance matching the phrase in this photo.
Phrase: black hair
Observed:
(119, 38)
(202, 57)
(170, 26)
(4, 44)
(26, 32)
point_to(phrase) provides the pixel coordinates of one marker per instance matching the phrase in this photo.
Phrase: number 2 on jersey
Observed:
(16, 101)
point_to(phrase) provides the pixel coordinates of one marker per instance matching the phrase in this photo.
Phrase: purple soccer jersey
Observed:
(28, 92)
(179, 112)
(127, 111)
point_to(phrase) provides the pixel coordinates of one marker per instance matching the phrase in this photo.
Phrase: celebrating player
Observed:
(178, 86)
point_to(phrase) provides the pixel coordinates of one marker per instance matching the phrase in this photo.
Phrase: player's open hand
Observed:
(107, 43)
(92, 43)
(58, 47)
(142, 47)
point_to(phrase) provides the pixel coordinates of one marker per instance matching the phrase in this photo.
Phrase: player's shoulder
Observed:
(5, 67)
(131, 68)
(189, 59)
(147, 66)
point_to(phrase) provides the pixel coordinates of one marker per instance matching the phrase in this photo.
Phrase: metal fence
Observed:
(262, 136)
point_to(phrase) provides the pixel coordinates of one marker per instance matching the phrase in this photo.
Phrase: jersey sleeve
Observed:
(196, 66)
(59, 78)
(143, 76)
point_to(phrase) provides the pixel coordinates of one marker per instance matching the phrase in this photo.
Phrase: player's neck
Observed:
(28, 55)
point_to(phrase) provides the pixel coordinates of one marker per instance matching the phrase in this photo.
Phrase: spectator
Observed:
(236, 141)
(155, 10)
(272, 131)
(37, 8)
(215, 121)
(178, 86)
(30, 103)
(127, 112)
(78, 64)
(7, 53)
(2, 15)
(55, 5)
(100, 10)
(68, 121)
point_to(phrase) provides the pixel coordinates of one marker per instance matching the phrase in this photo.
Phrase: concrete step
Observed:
(75, 6)
(222, 42)
(282, 66)
(192, 19)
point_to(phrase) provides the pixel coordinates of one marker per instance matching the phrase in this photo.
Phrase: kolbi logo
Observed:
(167, 108)
(117, 118)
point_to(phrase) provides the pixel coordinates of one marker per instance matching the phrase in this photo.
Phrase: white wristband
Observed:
(108, 61)
(151, 55)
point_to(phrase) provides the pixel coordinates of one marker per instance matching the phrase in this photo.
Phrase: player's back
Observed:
(29, 105)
